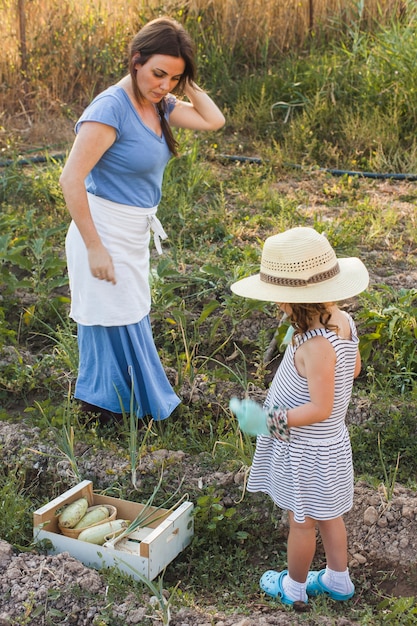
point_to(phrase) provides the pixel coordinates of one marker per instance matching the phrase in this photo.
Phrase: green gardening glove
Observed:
(250, 415)
(254, 420)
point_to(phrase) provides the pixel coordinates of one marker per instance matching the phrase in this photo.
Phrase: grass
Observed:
(336, 89)
(349, 103)
(211, 338)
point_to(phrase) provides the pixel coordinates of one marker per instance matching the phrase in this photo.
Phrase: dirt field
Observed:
(37, 589)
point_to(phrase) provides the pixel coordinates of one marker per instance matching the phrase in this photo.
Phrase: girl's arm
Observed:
(200, 113)
(358, 365)
(317, 360)
(91, 143)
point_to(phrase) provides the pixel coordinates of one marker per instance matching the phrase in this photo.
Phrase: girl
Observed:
(303, 457)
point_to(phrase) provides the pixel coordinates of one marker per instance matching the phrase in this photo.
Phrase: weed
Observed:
(221, 523)
(394, 424)
(389, 481)
(67, 445)
(388, 321)
(160, 603)
(398, 611)
(131, 424)
(15, 503)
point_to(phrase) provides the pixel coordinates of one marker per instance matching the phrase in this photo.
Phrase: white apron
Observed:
(125, 232)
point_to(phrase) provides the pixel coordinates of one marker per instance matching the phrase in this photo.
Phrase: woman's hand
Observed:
(90, 144)
(101, 264)
(200, 113)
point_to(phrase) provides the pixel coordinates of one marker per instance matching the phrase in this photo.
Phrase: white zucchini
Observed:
(96, 514)
(73, 513)
(98, 534)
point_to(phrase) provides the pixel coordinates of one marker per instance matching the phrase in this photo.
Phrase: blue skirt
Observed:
(115, 361)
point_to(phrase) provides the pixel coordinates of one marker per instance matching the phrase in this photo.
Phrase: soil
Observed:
(382, 544)
(37, 588)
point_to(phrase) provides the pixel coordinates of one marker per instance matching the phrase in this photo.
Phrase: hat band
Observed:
(300, 282)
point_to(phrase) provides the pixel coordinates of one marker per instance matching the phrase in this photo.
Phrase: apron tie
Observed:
(158, 231)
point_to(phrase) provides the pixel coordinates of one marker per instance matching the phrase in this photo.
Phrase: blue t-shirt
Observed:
(131, 170)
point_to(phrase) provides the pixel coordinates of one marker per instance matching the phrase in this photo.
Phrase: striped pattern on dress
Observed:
(312, 475)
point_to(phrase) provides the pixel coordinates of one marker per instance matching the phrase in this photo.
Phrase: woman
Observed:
(303, 457)
(112, 186)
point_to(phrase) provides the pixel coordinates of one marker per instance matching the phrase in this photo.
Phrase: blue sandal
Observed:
(271, 584)
(316, 587)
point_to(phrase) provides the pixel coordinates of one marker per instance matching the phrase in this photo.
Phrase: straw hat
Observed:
(300, 266)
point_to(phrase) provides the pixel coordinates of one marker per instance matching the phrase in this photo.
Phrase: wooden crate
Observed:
(148, 551)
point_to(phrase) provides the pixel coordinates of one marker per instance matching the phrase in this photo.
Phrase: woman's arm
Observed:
(200, 113)
(91, 143)
(318, 362)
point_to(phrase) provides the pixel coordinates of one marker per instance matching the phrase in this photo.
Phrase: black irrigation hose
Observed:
(334, 172)
(34, 159)
(241, 159)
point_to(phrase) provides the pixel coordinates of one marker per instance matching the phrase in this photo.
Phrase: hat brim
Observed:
(351, 280)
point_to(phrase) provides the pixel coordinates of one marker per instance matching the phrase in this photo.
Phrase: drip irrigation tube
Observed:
(334, 172)
(240, 159)
(32, 160)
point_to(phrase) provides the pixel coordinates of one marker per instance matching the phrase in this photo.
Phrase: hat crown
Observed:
(300, 265)
(299, 253)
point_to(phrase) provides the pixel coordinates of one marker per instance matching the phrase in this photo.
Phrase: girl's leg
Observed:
(336, 576)
(333, 534)
(300, 551)
(301, 547)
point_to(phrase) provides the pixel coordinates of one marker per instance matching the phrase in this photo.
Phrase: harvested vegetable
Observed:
(93, 516)
(99, 534)
(73, 513)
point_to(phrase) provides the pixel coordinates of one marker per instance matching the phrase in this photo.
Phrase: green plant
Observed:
(17, 377)
(67, 445)
(393, 423)
(158, 599)
(238, 372)
(62, 420)
(15, 503)
(192, 190)
(397, 611)
(186, 348)
(30, 263)
(241, 447)
(221, 523)
(389, 481)
(388, 322)
(131, 424)
(61, 333)
(149, 513)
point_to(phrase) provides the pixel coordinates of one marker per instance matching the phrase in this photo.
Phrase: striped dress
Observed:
(312, 475)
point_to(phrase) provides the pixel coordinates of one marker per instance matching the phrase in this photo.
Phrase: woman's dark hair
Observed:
(303, 314)
(163, 35)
